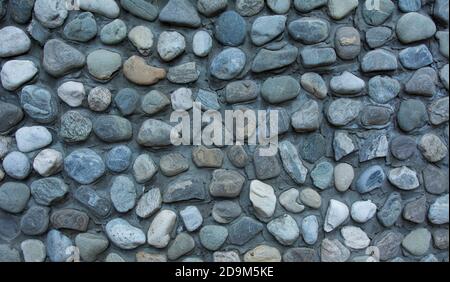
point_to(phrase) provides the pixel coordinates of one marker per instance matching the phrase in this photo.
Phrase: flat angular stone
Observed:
(94, 202)
(243, 230)
(267, 59)
(292, 162)
(184, 188)
(226, 183)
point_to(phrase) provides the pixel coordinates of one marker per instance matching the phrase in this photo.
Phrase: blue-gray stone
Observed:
(317, 57)
(45, 191)
(267, 28)
(268, 59)
(371, 179)
(378, 15)
(114, 32)
(208, 100)
(39, 103)
(313, 147)
(409, 5)
(123, 193)
(35, 221)
(9, 229)
(184, 188)
(143, 9)
(441, 11)
(228, 64)
(61, 58)
(309, 30)
(58, 246)
(310, 229)
(38, 32)
(243, 230)
(411, 115)
(422, 83)
(21, 10)
(82, 28)
(14, 196)
(306, 6)
(127, 100)
(415, 57)
(379, 60)
(378, 36)
(212, 237)
(230, 29)
(84, 166)
(8, 254)
(118, 158)
(391, 210)
(110, 128)
(279, 89)
(180, 13)
(17, 165)
(10, 115)
(89, 198)
(382, 89)
(322, 175)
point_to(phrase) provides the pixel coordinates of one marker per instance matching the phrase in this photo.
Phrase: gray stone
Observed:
(441, 11)
(51, 13)
(124, 235)
(69, 219)
(91, 245)
(180, 13)
(112, 129)
(310, 198)
(391, 210)
(375, 117)
(248, 8)
(342, 111)
(300, 255)
(413, 27)
(114, 32)
(432, 148)
(338, 9)
(310, 229)
(154, 102)
(373, 145)
(89, 198)
(208, 100)
(438, 111)
(46, 191)
(409, 5)
(84, 166)
(422, 83)
(58, 246)
(435, 180)
(32, 138)
(363, 211)
(438, 212)
(142, 39)
(440, 238)
(38, 32)
(205, 157)
(343, 176)
(226, 211)
(403, 147)
(333, 251)
(417, 242)
(306, 6)
(403, 178)
(182, 245)
(17, 165)
(212, 237)
(307, 118)
(355, 237)
(272, 59)
(192, 218)
(154, 133)
(14, 41)
(75, 127)
(72, 93)
(33, 250)
(226, 183)
(171, 44)
(378, 15)
(17, 72)
(201, 43)
(279, 6)
(144, 168)
(371, 179)
(237, 156)
(382, 89)
(411, 115)
(415, 57)
(416, 210)
(243, 230)
(10, 115)
(309, 30)
(378, 36)
(279, 89)
(379, 60)
(228, 64)
(149, 203)
(267, 28)
(21, 10)
(347, 43)
(316, 57)
(106, 8)
(314, 84)
(347, 84)
(14, 197)
(266, 167)
(103, 64)
(9, 227)
(9, 254)
(39, 103)
(173, 164)
(337, 214)
(388, 243)
(61, 59)
(127, 100)
(123, 194)
(284, 229)
(292, 162)
(184, 188)
(82, 28)
(140, 8)
(212, 7)
(35, 221)
(313, 147)
(322, 175)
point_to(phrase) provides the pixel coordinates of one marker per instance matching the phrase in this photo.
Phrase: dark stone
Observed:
(416, 210)
(70, 219)
(89, 198)
(313, 147)
(45, 191)
(301, 255)
(243, 230)
(21, 10)
(186, 187)
(180, 13)
(388, 243)
(60, 58)
(391, 210)
(14, 197)
(435, 179)
(267, 59)
(35, 221)
(10, 115)
(411, 115)
(415, 57)
(127, 100)
(230, 29)
(143, 9)
(403, 147)
(38, 32)
(378, 36)
(82, 28)
(375, 116)
(9, 229)
(75, 127)
(266, 167)
(113, 129)
(39, 103)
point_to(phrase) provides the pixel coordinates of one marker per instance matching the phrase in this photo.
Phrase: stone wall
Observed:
(88, 171)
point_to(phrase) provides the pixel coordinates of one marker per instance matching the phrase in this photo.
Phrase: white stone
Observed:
(284, 229)
(263, 198)
(432, 148)
(32, 138)
(192, 218)
(124, 235)
(355, 237)
(182, 99)
(289, 200)
(338, 9)
(347, 83)
(162, 225)
(337, 214)
(343, 176)
(363, 211)
(17, 72)
(48, 162)
(231, 256)
(13, 42)
(142, 38)
(72, 93)
(33, 250)
(170, 45)
(438, 213)
(404, 178)
(202, 43)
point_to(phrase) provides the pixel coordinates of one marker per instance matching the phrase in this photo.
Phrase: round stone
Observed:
(378, 36)
(382, 89)
(363, 211)
(14, 197)
(118, 159)
(13, 42)
(279, 89)
(347, 84)
(379, 14)
(51, 13)
(39, 103)
(228, 64)
(72, 93)
(124, 235)
(114, 32)
(432, 148)
(142, 38)
(32, 138)
(201, 43)
(284, 229)
(17, 165)
(192, 218)
(409, 5)
(310, 229)
(173, 164)
(411, 115)
(59, 246)
(337, 214)
(112, 129)
(48, 162)
(342, 111)
(310, 198)
(127, 100)
(413, 27)
(212, 7)
(61, 58)
(171, 44)
(46, 191)
(90, 245)
(279, 6)
(403, 147)
(267, 28)
(99, 99)
(371, 179)
(226, 211)
(82, 28)
(84, 166)
(355, 237)
(103, 64)
(230, 29)
(347, 43)
(123, 194)
(212, 237)
(309, 30)
(35, 221)
(15, 73)
(248, 8)
(33, 250)
(343, 176)
(417, 242)
(75, 127)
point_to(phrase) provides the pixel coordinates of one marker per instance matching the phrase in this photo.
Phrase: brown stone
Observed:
(147, 257)
(138, 71)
